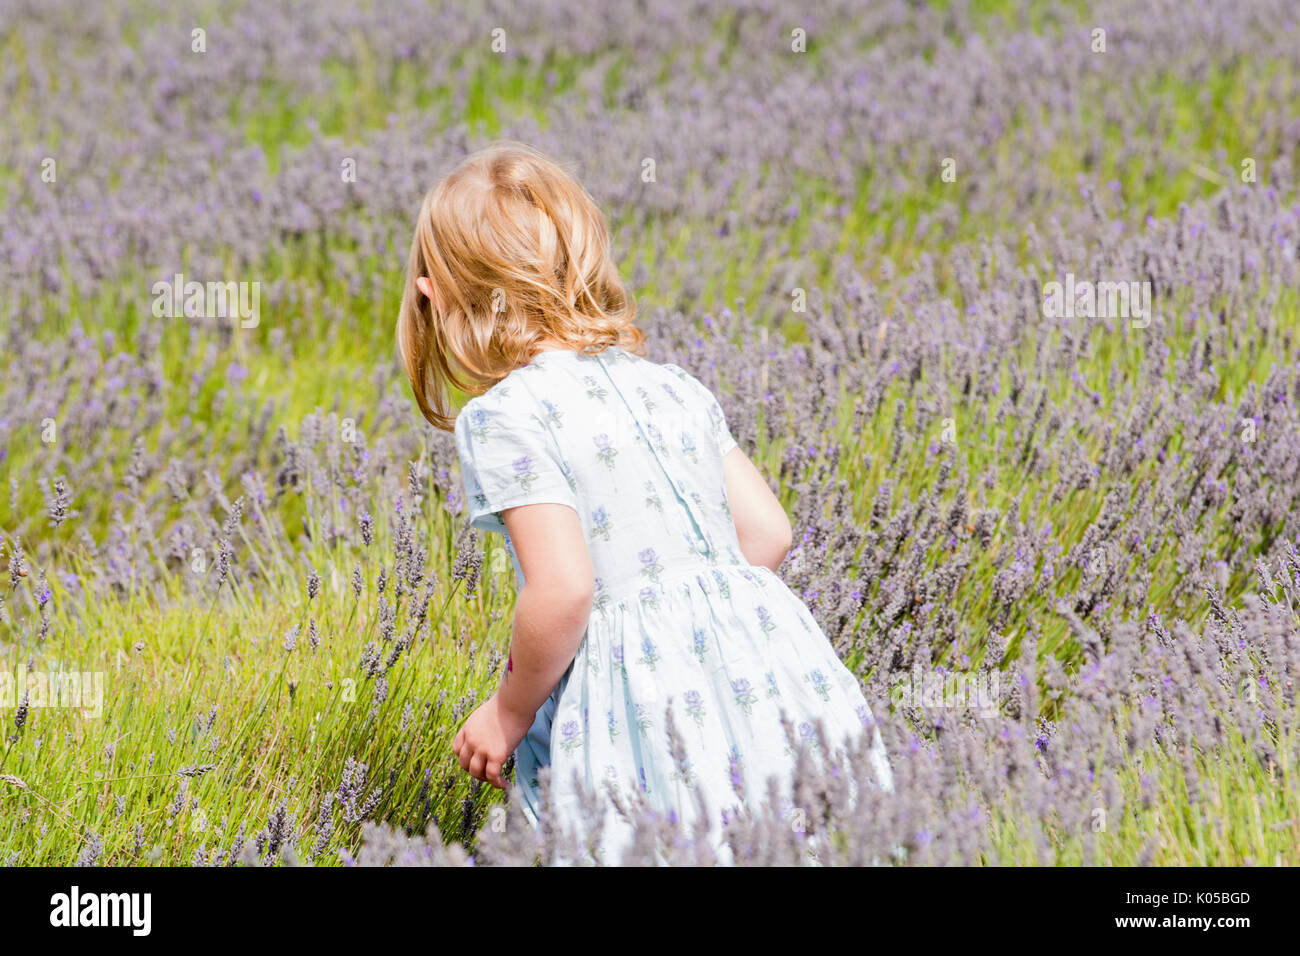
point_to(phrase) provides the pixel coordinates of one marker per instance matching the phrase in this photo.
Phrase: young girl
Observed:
(644, 540)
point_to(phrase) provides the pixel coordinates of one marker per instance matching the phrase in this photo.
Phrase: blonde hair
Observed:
(518, 255)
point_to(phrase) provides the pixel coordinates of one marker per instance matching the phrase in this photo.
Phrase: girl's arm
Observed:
(553, 606)
(761, 523)
(551, 615)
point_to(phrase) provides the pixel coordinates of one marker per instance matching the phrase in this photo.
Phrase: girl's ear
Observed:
(424, 285)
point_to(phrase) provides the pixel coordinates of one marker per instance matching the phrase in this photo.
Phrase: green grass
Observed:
(287, 721)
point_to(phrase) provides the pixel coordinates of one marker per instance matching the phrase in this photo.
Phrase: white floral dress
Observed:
(680, 618)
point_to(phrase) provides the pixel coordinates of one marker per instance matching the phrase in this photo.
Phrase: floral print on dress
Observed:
(821, 683)
(657, 439)
(553, 415)
(765, 619)
(478, 424)
(595, 389)
(744, 695)
(571, 736)
(672, 393)
(605, 451)
(649, 657)
(699, 644)
(807, 737)
(724, 588)
(642, 720)
(652, 499)
(601, 524)
(524, 474)
(688, 447)
(649, 597)
(717, 419)
(600, 603)
(650, 565)
(695, 706)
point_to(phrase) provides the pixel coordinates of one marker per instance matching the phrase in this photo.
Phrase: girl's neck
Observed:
(546, 346)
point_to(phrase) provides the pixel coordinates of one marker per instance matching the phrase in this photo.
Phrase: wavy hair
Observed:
(518, 256)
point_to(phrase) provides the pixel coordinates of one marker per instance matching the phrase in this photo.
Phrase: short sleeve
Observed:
(508, 458)
(711, 408)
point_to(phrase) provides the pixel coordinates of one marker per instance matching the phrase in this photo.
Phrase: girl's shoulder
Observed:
(690, 384)
(499, 408)
(517, 403)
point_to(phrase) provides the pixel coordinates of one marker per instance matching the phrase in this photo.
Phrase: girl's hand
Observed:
(487, 740)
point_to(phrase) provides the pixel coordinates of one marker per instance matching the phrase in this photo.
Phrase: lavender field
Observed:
(1055, 534)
